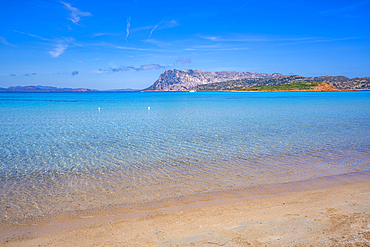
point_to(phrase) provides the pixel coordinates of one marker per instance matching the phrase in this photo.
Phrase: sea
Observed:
(66, 155)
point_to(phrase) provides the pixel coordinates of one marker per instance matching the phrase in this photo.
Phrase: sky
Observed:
(127, 44)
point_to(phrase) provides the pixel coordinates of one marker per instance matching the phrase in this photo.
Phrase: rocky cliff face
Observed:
(324, 86)
(182, 80)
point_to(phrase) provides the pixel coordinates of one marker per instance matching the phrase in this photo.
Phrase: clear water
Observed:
(60, 154)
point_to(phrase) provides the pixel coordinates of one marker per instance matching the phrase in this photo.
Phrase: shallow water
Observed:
(60, 153)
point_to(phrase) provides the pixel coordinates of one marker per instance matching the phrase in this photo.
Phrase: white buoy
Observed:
(148, 108)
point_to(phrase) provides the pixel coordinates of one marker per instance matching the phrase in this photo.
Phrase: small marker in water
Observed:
(148, 108)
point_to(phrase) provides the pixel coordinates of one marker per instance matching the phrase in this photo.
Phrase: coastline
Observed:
(339, 90)
(317, 211)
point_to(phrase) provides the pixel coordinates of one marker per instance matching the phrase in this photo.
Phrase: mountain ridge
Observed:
(49, 89)
(192, 79)
(183, 80)
(42, 89)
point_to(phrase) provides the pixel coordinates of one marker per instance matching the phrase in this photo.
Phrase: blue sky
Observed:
(128, 44)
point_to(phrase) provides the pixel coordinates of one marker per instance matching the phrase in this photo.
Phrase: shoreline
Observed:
(56, 231)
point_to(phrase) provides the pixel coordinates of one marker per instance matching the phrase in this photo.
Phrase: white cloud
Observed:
(75, 13)
(60, 44)
(4, 42)
(163, 25)
(59, 49)
(149, 67)
(154, 28)
(128, 27)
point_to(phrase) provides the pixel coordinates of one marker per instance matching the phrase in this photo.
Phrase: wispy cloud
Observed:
(276, 41)
(347, 8)
(163, 25)
(158, 43)
(59, 49)
(61, 73)
(128, 27)
(4, 42)
(335, 39)
(29, 74)
(75, 13)
(141, 67)
(232, 12)
(216, 47)
(131, 48)
(98, 71)
(99, 34)
(154, 28)
(33, 35)
(318, 40)
(252, 39)
(60, 45)
(150, 67)
(180, 60)
(127, 68)
(74, 73)
(167, 24)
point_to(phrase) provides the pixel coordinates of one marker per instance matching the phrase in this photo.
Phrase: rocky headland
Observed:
(337, 82)
(183, 80)
(192, 79)
(324, 86)
(197, 80)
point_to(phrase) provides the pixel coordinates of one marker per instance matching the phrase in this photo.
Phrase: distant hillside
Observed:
(293, 86)
(183, 80)
(340, 82)
(47, 89)
(247, 82)
(189, 79)
(42, 89)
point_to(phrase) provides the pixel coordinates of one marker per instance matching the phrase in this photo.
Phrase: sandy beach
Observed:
(335, 216)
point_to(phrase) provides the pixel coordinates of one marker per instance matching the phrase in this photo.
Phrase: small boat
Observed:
(192, 91)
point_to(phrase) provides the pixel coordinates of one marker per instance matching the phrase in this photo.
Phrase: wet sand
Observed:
(338, 215)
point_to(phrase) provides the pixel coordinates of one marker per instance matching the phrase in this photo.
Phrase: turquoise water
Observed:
(71, 152)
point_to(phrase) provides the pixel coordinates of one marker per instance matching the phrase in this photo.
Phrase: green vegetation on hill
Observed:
(298, 85)
(247, 82)
(339, 82)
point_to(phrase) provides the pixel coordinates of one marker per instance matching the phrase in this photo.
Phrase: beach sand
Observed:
(334, 216)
